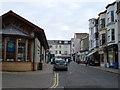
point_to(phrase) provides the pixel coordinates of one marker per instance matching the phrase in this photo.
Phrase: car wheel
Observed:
(66, 69)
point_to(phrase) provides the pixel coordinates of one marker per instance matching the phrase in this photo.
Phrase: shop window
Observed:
(29, 50)
(10, 53)
(21, 49)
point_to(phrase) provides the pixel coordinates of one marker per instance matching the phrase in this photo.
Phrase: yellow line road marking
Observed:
(55, 81)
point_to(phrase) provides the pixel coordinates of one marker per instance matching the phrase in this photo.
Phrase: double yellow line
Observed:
(56, 80)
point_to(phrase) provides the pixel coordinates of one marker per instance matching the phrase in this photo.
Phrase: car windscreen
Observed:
(61, 61)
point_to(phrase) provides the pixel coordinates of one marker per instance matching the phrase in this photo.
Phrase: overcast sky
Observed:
(60, 19)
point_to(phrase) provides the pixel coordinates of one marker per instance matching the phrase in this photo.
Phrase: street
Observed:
(77, 76)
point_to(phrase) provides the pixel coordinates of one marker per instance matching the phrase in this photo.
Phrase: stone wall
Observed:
(16, 66)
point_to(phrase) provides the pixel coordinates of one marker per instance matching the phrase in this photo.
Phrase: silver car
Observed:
(60, 64)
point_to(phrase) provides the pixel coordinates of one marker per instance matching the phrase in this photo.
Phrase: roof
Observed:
(14, 31)
(110, 4)
(102, 12)
(39, 32)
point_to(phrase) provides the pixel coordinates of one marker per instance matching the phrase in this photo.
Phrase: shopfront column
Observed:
(26, 49)
(16, 50)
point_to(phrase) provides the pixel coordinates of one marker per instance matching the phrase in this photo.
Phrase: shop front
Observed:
(22, 44)
(112, 56)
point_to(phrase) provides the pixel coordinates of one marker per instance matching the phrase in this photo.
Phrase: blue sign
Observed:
(10, 47)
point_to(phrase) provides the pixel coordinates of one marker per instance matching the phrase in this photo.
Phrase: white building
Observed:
(60, 48)
(112, 34)
(118, 25)
(108, 37)
(93, 42)
(102, 38)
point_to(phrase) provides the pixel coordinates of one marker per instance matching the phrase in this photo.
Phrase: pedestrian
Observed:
(86, 62)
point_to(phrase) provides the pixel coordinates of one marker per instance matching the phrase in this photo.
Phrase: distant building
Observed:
(84, 48)
(23, 45)
(75, 44)
(60, 48)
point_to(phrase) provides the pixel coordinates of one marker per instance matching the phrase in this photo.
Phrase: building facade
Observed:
(108, 36)
(84, 48)
(112, 34)
(118, 25)
(102, 38)
(23, 44)
(93, 42)
(75, 45)
(60, 48)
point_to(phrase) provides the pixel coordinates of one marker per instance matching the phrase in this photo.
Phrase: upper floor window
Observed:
(102, 23)
(112, 16)
(55, 52)
(59, 52)
(56, 46)
(59, 46)
(113, 34)
(108, 35)
(102, 39)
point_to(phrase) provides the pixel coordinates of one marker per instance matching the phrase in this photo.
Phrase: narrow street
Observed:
(77, 76)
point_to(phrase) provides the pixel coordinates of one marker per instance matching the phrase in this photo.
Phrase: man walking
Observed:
(86, 62)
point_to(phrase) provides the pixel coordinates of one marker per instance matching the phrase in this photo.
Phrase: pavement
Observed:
(47, 68)
(30, 79)
(116, 71)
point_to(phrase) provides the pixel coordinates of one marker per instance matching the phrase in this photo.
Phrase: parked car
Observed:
(60, 64)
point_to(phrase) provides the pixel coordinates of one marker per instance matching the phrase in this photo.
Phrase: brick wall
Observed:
(17, 66)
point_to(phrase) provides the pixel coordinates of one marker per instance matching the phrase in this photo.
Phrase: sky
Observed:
(60, 19)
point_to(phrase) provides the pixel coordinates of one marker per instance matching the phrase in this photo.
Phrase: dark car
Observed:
(60, 64)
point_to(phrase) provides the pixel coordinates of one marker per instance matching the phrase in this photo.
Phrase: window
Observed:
(10, 54)
(55, 52)
(59, 46)
(56, 46)
(112, 16)
(65, 42)
(102, 39)
(113, 34)
(65, 46)
(65, 52)
(102, 23)
(28, 50)
(73, 45)
(59, 52)
(21, 49)
(108, 36)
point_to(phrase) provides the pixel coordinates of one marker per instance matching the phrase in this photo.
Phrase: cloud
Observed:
(59, 18)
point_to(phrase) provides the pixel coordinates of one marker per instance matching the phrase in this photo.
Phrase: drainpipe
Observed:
(34, 55)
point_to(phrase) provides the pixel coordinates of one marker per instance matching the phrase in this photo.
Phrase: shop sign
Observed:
(10, 47)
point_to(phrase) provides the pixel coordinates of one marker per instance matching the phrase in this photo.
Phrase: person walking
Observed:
(86, 62)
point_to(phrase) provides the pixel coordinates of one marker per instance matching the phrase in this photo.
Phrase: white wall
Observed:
(64, 47)
(37, 50)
